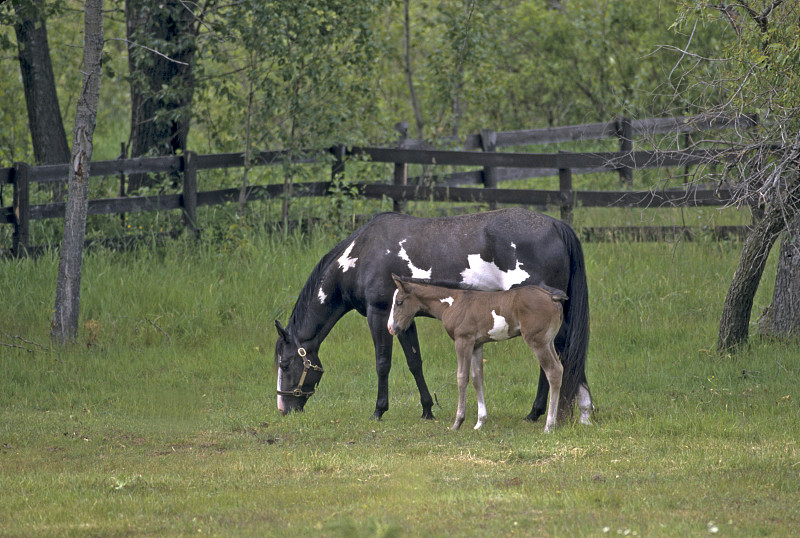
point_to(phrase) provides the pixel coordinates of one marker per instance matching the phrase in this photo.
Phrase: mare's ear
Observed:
(281, 331)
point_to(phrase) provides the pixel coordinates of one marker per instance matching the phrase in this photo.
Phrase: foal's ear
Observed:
(281, 331)
(397, 281)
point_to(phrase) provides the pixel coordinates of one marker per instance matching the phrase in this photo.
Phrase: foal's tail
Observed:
(576, 320)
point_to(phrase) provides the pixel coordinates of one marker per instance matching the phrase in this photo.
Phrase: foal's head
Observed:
(405, 305)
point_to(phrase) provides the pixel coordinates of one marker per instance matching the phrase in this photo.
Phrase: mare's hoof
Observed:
(428, 415)
(533, 416)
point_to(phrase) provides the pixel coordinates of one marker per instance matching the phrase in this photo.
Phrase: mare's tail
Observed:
(576, 320)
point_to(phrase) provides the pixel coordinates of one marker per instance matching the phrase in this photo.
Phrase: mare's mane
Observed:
(308, 293)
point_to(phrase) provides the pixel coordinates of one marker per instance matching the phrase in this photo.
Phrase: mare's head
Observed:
(405, 305)
(299, 371)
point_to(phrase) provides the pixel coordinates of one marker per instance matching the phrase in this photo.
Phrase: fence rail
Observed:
(495, 166)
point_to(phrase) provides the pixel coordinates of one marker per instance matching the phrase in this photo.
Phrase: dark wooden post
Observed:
(566, 194)
(625, 135)
(400, 174)
(489, 145)
(337, 168)
(189, 195)
(123, 154)
(22, 210)
(400, 177)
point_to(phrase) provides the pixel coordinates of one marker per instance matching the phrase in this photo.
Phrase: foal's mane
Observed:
(439, 283)
(555, 292)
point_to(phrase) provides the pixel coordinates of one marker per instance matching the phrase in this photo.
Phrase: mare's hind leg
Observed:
(410, 343)
(477, 382)
(540, 402)
(585, 403)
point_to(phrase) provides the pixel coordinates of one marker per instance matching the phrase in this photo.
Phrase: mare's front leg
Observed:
(410, 343)
(477, 382)
(464, 347)
(377, 320)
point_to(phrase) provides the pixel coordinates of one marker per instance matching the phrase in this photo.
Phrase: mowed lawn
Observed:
(161, 420)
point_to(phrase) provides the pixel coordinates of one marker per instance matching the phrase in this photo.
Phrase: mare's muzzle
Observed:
(300, 391)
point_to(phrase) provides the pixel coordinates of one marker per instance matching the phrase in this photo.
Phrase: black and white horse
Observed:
(495, 250)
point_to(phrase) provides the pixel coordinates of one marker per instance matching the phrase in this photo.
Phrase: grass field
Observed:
(162, 420)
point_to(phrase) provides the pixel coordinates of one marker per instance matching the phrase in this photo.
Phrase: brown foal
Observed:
(473, 318)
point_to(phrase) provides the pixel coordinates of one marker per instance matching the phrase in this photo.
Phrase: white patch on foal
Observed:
(448, 300)
(416, 272)
(391, 314)
(322, 296)
(345, 261)
(500, 329)
(485, 275)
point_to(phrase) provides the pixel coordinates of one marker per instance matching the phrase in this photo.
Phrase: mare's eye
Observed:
(399, 302)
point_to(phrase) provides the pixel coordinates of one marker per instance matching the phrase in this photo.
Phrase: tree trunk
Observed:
(782, 317)
(64, 327)
(735, 319)
(44, 115)
(161, 48)
(409, 71)
(48, 137)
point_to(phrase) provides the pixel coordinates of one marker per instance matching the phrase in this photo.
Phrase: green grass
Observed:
(161, 420)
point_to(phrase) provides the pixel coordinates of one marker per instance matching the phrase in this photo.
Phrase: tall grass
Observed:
(161, 419)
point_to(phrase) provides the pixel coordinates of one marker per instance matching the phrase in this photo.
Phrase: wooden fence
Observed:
(494, 166)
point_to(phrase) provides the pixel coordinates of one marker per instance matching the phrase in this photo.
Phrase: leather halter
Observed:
(298, 392)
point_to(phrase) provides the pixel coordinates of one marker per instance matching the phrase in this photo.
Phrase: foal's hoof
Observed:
(427, 414)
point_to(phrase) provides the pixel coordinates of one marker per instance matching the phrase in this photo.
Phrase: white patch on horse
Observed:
(513, 245)
(345, 261)
(448, 300)
(322, 296)
(500, 329)
(281, 407)
(416, 272)
(485, 275)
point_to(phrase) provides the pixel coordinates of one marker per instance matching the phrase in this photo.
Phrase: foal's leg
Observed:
(464, 348)
(477, 382)
(548, 360)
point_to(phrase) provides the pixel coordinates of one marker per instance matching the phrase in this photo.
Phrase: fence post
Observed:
(189, 195)
(21, 209)
(123, 154)
(337, 168)
(566, 194)
(400, 177)
(625, 135)
(489, 145)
